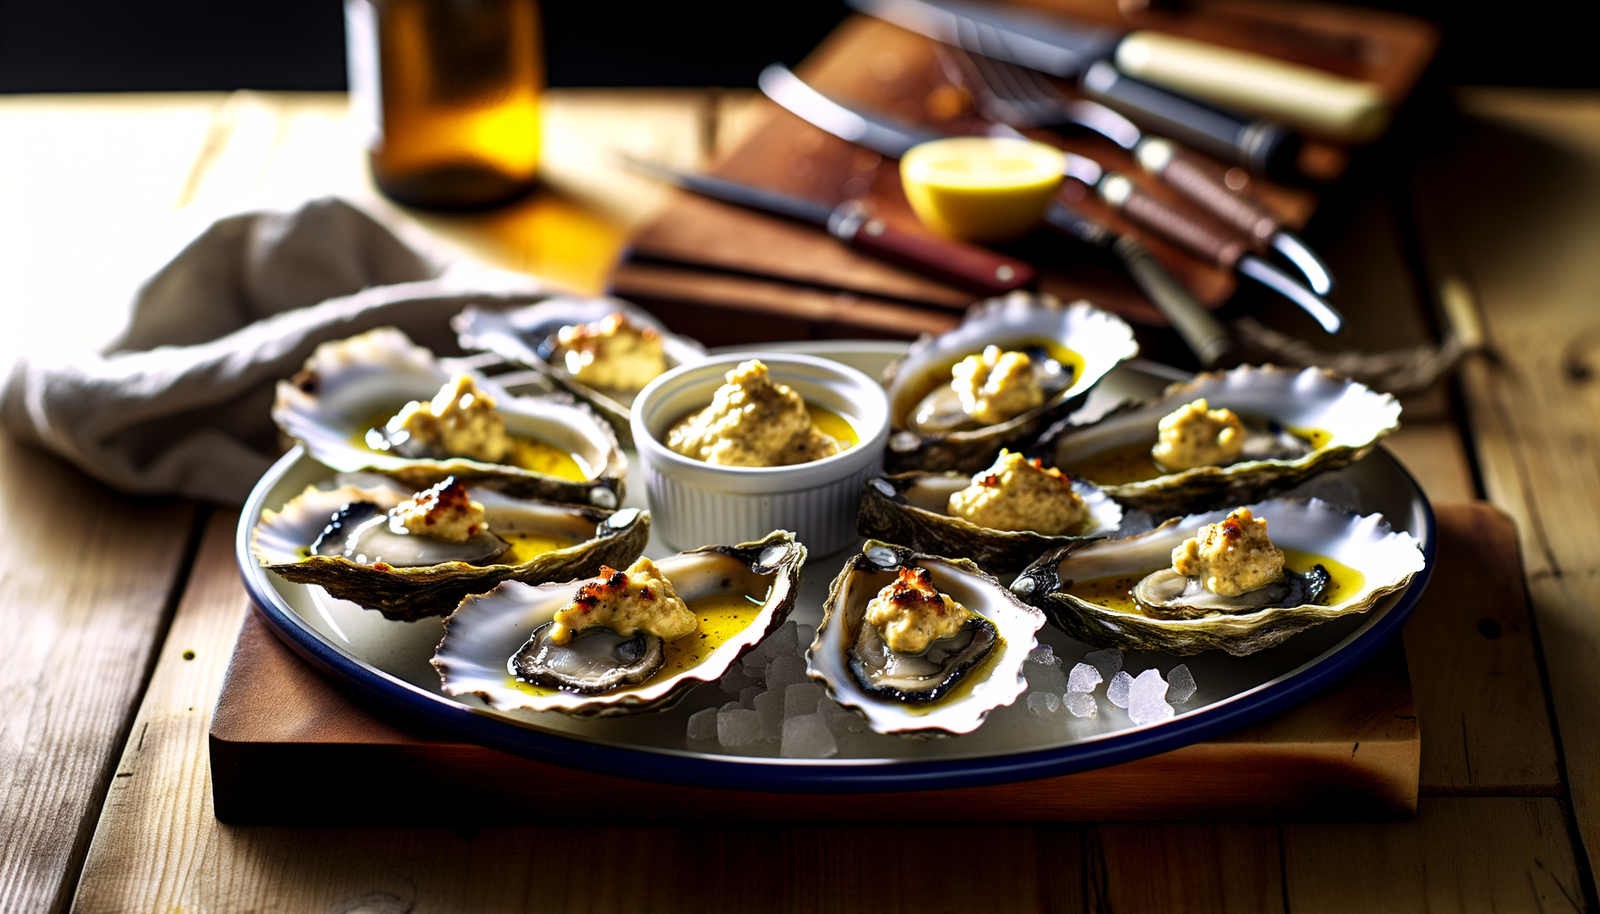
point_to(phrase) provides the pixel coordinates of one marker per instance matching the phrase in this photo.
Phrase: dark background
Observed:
(162, 45)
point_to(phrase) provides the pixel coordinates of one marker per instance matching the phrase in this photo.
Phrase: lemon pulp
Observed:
(980, 188)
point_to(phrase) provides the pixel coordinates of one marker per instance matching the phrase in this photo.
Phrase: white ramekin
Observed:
(693, 503)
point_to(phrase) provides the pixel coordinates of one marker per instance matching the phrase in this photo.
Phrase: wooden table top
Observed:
(122, 611)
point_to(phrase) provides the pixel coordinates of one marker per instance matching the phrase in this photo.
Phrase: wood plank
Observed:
(1535, 406)
(1460, 854)
(1436, 455)
(87, 576)
(1194, 867)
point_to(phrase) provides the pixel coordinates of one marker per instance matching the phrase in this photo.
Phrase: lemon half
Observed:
(980, 188)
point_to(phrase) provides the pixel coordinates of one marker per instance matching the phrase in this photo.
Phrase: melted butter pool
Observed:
(1132, 462)
(1116, 592)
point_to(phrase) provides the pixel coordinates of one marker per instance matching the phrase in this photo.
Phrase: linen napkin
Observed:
(178, 404)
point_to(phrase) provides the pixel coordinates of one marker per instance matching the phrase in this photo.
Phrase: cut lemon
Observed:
(980, 188)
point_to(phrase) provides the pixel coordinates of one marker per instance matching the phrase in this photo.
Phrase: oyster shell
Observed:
(913, 509)
(1020, 320)
(525, 336)
(432, 583)
(990, 682)
(1386, 561)
(484, 636)
(348, 386)
(1352, 416)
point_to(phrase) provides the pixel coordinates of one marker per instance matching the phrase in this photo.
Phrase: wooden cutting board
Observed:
(288, 746)
(703, 264)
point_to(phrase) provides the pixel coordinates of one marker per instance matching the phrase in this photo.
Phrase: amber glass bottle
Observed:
(448, 92)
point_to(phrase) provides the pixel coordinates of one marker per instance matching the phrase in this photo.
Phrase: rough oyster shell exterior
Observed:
(1387, 559)
(483, 634)
(1355, 416)
(407, 594)
(999, 680)
(345, 383)
(1102, 339)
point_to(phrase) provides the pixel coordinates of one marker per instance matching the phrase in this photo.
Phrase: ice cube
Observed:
(770, 706)
(801, 698)
(1044, 654)
(1083, 678)
(1045, 677)
(738, 728)
(735, 681)
(747, 697)
(1108, 661)
(733, 706)
(703, 724)
(785, 671)
(1147, 698)
(805, 634)
(782, 642)
(1043, 704)
(1180, 684)
(807, 736)
(755, 666)
(1081, 704)
(1117, 689)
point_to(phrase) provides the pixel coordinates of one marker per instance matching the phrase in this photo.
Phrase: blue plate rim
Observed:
(799, 776)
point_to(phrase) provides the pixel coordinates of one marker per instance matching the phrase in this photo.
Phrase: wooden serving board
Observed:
(703, 266)
(288, 746)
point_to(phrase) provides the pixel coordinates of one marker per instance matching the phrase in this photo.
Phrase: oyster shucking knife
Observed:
(967, 266)
(892, 139)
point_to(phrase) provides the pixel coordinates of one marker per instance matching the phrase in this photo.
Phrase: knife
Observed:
(892, 139)
(967, 266)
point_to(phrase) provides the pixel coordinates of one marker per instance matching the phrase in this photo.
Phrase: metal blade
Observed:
(1280, 282)
(880, 135)
(739, 194)
(1306, 260)
(1043, 43)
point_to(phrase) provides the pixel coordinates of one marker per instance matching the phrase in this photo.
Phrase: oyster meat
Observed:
(342, 404)
(956, 399)
(533, 336)
(941, 671)
(1138, 594)
(507, 648)
(353, 540)
(1292, 424)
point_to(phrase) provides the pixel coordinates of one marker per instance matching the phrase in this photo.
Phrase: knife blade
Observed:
(1121, 192)
(967, 266)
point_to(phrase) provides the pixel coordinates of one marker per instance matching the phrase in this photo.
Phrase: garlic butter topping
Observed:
(1231, 557)
(460, 421)
(911, 613)
(752, 422)
(1020, 494)
(640, 599)
(1194, 436)
(995, 386)
(444, 512)
(611, 353)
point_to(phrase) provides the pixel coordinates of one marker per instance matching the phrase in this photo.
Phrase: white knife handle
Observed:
(1313, 100)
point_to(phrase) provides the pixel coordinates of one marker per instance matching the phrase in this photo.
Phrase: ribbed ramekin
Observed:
(693, 503)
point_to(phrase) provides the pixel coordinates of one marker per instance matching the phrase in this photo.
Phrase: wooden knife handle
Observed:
(1188, 174)
(1203, 240)
(970, 267)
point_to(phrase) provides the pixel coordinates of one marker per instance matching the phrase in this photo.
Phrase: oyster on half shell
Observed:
(420, 576)
(348, 387)
(913, 509)
(1345, 417)
(1076, 345)
(1364, 558)
(740, 594)
(528, 336)
(985, 660)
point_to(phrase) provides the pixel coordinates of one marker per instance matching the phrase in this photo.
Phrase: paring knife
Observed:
(892, 139)
(967, 266)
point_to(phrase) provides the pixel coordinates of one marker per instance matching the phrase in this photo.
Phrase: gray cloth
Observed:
(178, 405)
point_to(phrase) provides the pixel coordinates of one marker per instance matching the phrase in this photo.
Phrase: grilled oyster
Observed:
(1124, 593)
(342, 539)
(934, 416)
(914, 509)
(496, 646)
(1297, 423)
(955, 680)
(341, 404)
(531, 336)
